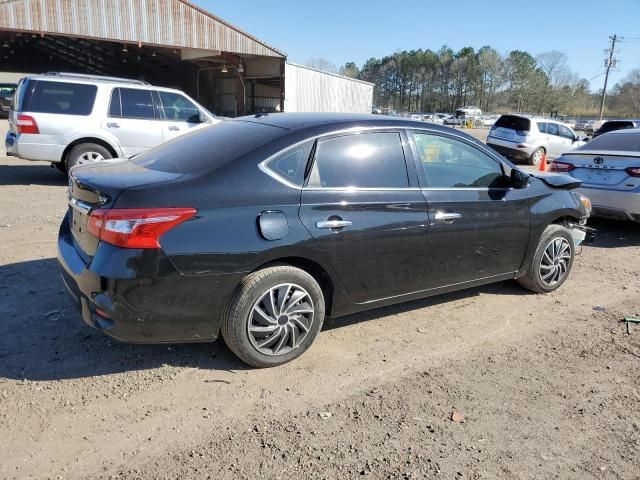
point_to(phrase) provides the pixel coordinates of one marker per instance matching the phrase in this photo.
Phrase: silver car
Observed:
(523, 138)
(609, 167)
(70, 119)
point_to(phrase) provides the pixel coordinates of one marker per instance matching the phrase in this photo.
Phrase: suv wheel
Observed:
(536, 156)
(274, 316)
(552, 262)
(86, 153)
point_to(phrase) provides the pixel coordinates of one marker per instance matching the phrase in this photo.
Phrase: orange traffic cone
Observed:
(543, 163)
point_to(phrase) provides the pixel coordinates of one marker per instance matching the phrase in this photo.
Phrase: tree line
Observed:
(443, 80)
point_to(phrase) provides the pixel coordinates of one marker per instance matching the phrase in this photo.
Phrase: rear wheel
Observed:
(536, 156)
(552, 262)
(86, 153)
(274, 316)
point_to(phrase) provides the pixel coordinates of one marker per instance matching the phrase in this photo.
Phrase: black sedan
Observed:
(258, 228)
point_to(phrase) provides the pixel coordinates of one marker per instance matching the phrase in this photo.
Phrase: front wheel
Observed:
(552, 262)
(274, 316)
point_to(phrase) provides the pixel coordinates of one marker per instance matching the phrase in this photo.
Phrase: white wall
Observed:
(310, 90)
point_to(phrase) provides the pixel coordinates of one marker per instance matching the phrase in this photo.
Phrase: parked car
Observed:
(6, 97)
(432, 118)
(301, 216)
(452, 120)
(593, 127)
(529, 138)
(581, 125)
(611, 125)
(609, 169)
(70, 119)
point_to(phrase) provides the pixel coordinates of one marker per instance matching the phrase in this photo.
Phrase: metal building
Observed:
(169, 43)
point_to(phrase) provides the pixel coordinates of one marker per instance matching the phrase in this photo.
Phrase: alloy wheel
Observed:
(554, 264)
(281, 319)
(537, 156)
(89, 157)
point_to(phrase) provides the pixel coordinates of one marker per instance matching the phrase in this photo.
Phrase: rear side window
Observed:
(566, 132)
(513, 123)
(542, 127)
(291, 163)
(132, 103)
(367, 160)
(59, 97)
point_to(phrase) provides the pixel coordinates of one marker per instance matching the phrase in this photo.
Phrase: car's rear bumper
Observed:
(613, 204)
(508, 149)
(137, 296)
(27, 148)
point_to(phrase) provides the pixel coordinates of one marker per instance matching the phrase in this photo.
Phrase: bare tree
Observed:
(321, 63)
(555, 65)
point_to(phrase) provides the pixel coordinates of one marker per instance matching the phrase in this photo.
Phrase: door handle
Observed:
(112, 125)
(447, 217)
(334, 224)
(173, 128)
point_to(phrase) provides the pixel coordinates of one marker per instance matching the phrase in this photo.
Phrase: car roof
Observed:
(297, 121)
(99, 80)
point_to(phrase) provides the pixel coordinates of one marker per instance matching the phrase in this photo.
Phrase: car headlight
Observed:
(586, 203)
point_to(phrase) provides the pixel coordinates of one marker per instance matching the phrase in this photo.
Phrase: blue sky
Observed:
(343, 31)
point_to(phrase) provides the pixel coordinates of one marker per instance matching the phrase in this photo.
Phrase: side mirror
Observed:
(519, 179)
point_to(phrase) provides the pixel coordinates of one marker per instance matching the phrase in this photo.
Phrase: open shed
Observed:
(170, 43)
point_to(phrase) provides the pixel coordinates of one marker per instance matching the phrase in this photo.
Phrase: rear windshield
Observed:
(208, 148)
(513, 123)
(610, 126)
(57, 97)
(615, 142)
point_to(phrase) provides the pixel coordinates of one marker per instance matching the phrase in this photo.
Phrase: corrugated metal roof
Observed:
(171, 23)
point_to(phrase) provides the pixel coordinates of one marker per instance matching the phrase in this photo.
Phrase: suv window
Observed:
(59, 97)
(449, 163)
(291, 163)
(542, 127)
(616, 125)
(513, 123)
(178, 108)
(553, 129)
(132, 103)
(366, 160)
(566, 132)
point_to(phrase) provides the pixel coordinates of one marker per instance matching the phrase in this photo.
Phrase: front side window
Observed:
(290, 164)
(59, 97)
(566, 132)
(449, 163)
(366, 160)
(178, 108)
(132, 103)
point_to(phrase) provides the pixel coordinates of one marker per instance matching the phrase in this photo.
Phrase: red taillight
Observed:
(27, 124)
(136, 227)
(557, 166)
(633, 171)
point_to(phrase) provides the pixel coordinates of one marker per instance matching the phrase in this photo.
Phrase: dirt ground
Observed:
(537, 386)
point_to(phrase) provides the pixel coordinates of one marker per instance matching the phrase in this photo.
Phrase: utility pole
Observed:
(609, 63)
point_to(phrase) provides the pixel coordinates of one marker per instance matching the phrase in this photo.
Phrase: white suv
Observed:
(70, 119)
(529, 138)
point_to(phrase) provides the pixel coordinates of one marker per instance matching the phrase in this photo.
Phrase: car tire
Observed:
(86, 153)
(536, 157)
(547, 270)
(262, 332)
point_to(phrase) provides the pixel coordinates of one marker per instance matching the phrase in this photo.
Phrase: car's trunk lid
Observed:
(604, 171)
(98, 186)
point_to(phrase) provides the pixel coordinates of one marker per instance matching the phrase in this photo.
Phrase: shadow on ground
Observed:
(37, 174)
(42, 336)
